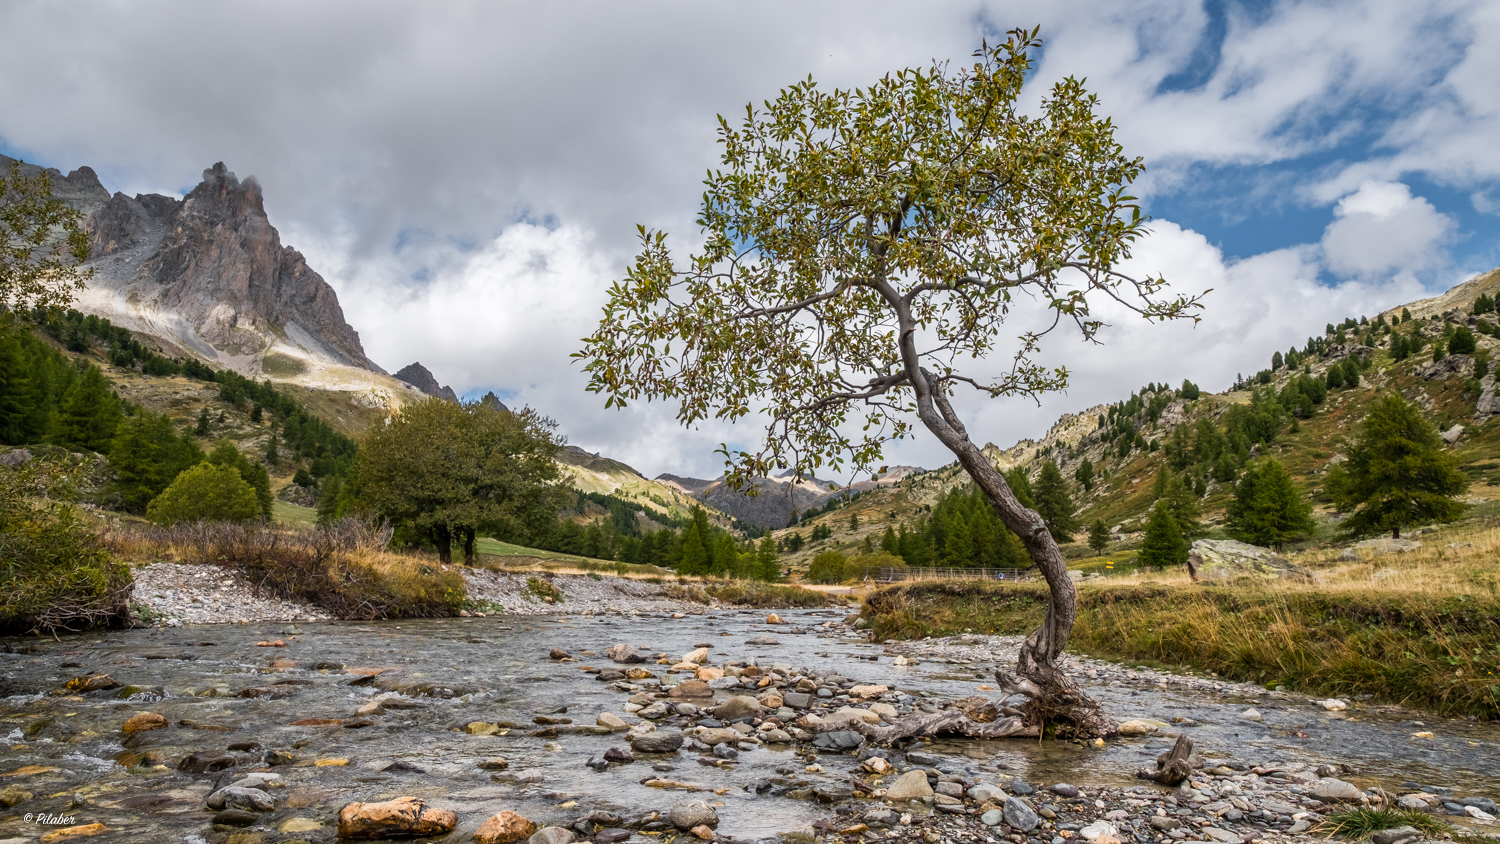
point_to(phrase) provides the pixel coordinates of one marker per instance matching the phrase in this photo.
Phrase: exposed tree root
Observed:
(1174, 766)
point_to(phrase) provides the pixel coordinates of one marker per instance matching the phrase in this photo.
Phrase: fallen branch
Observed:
(1174, 766)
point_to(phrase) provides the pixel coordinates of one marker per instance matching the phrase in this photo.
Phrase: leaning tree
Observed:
(857, 246)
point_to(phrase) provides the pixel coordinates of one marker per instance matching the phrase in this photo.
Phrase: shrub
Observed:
(544, 589)
(826, 567)
(54, 572)
(862, 565)
(205, 493)
(342, 567)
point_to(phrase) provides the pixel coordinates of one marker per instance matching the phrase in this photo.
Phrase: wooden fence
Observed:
(890, 574)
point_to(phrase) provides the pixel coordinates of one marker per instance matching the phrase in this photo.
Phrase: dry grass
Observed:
(344, 568)
(1421, 628)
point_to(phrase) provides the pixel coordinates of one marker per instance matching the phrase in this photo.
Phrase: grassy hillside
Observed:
(1126, 443)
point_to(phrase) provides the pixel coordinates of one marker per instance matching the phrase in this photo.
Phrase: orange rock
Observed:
(276, 644)
(68, 832)
(708, 672)
(691, 688)
(505, 828)
(144, 721)
(29, 770)
(94, 682)
(404, 816)
(702, 831)
(773, 618)
(283, 663)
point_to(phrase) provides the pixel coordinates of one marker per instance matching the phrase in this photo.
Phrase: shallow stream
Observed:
(458, 671)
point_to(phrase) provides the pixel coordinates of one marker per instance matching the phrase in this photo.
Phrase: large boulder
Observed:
(404, 817)
(626, 654)
(505, 828)
(1387, 545)
(1226, 559)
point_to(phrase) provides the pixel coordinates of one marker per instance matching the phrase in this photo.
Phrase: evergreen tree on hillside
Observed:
(89, 415)
(695, 545)
(889, 543)
(15, 388)
(1267, 508)
(1054, 504)
(1020, 485)
(1398, 473)
(146, 456)
(1084, 474)
(1163, 544)
(1462, 342)
(767, 567)
(1098, 536)
(1189, 390)
(1180, 502)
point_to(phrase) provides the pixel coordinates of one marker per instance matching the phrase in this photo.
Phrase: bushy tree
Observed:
(826, 567)
(146, 454)
(1397, 474)
(1054, 503)
(1163, 544)
(1181, 502)
(205, 493)
(1268, 509)
(860, 242)
(254, 474)
(1189, 390)
(89, 415)
(1462, 342)
(447, 471)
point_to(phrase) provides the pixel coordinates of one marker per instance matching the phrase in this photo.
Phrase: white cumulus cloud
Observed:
(1382, 227)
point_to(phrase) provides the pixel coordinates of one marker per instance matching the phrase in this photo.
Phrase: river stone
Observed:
(1019, 815)
(618, 755)
(403, 817)
(1063, 789)
(737, 707)
(911, 785)
(205, 762)
(1137, 727)
(657, 742)
(797, 700)
(691, 688)
(1331, 790)
(238, 797)
(1413, 802)
(695, 655)
(1018, 787)
(235, 817)
(952, 789)
(497, 763)
(1395, 836)
(717, 735)
(558, 654)
(655, 711)
(1223, 559)
(144, 721)
(1252, 715)
(299, 825)
(763, 640)
(696, 813)
(612, 836)
(1483, 804)
(777, 737)
(505, 828)
(551, 835)
(625, 654)
(92, 682)
(724, 683)
(984, 793)
(992, 818)
(708, 673)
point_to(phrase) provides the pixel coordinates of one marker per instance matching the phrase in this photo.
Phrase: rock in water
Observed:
(658, 742)
(403, 817)
(145, 721)
(685, 816)
(551, 835)
(505, 828)
(624, 653)
(1223, 559)
(1019, 815)
(239, 797)
(742, 706)
(912, 785)
(1331, 790)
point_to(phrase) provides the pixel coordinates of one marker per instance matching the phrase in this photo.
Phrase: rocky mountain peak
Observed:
(420, 377)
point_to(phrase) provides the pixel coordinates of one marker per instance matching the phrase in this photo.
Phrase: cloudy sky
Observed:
(468, 176)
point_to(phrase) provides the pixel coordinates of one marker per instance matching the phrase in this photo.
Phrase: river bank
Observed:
(483, 715)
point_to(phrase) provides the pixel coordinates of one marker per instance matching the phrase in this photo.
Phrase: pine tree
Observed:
(1163, 544)
(89, 415)
(1020, 485)
(1098, 536)
(889, 543)
(767, 567)
(1054, 504)
(1267, 508)
(1084, 474)
(853, 521)
(1180, 502)
(958, 550)
(273, 455)
(1397, 474)
(15, 389)
(202, 428)
(1462, 342)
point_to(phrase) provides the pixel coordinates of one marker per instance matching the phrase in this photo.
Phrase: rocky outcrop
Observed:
(1460, 365)
(206, 273)
(420, 377)
(1226, 559)
(1488, 404)
(777, 499)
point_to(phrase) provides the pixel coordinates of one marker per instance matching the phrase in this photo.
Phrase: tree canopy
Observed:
(42, 242)
(858, 244)
(206, 493)
(447, 471)
(1397, 474)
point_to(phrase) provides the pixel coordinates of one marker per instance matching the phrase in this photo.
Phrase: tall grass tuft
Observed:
(342, 568)
(1358, 823)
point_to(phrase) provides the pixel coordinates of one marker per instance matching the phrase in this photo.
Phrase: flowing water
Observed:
(496, 669)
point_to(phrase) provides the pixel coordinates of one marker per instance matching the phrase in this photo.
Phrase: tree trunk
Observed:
(443, 539)
(1054, 699)
(468, 533)
(1396, 532)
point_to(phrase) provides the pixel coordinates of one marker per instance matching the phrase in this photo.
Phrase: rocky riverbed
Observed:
(634, 728)
(171, 595)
